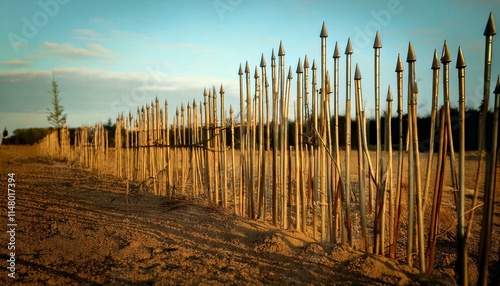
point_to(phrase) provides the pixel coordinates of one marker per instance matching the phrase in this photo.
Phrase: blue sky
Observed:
(114, 56)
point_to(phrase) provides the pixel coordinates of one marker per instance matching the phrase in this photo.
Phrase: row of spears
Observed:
(291, 173)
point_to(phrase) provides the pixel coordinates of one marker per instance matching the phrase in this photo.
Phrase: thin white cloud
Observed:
(100, 21)
(67, 50)
(15, 63)
(88, 35)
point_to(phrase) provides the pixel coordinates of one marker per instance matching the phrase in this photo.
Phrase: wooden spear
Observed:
(388, 144)
(399, 71)
(418, 189)
(347, 189)
(361, 177)
(377, 45)
(338, 195)
(298, 148)
(323, 36)
(445, 60)
(275, 141)
(411, 168)
(490, 186)
(461, 263)
(435, 92)
(489, 32)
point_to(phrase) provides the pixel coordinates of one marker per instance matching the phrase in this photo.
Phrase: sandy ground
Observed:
(77, 228)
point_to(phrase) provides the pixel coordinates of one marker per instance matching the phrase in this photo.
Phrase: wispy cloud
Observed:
(88, 35)
(100, 21)
(68, 51)
(15, 63)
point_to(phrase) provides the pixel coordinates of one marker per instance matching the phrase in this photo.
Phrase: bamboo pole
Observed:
(490, 186)
(275, 141)
(322, 189)
(438, 192)
(445, 60)
(347, 189)
(489, 32)
(304, 160)
(242, 142)
(461, 264)
(388, 144)
(233, 165)
(223, 144)
(248, 151)
(338, 197)
(418, 190)
(435, 92)
(411, 167)
(377, 45)
(208, 179)
(361, 174)
(286, 160)
(298, 147)
(262, 148)
(315, 166)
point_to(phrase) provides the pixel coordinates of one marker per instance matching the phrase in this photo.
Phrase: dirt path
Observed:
(76, 228)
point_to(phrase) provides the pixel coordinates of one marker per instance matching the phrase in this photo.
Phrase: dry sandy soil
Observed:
(77, 228)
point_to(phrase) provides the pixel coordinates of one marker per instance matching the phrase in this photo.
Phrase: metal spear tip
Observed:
(399, 64)
(256, 74)
(182, 107)
(273, 56)
(290, 74)
(306, 62)
(240, 72)
(445, 56)
(281, 51)
(389, 94)
(328, 85)
(221, 89)
(262, 61)
(205, 89)
(378, 43)
(357, 74)
(177, 111)
(194, 103)
(336, 53)
(490, 29)
(324, 32)
(247, 68)
(410, 57)
(348, 48)
(299, 67)
(435, 61)
(497, 88)
(314, 67)
(460, 59)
